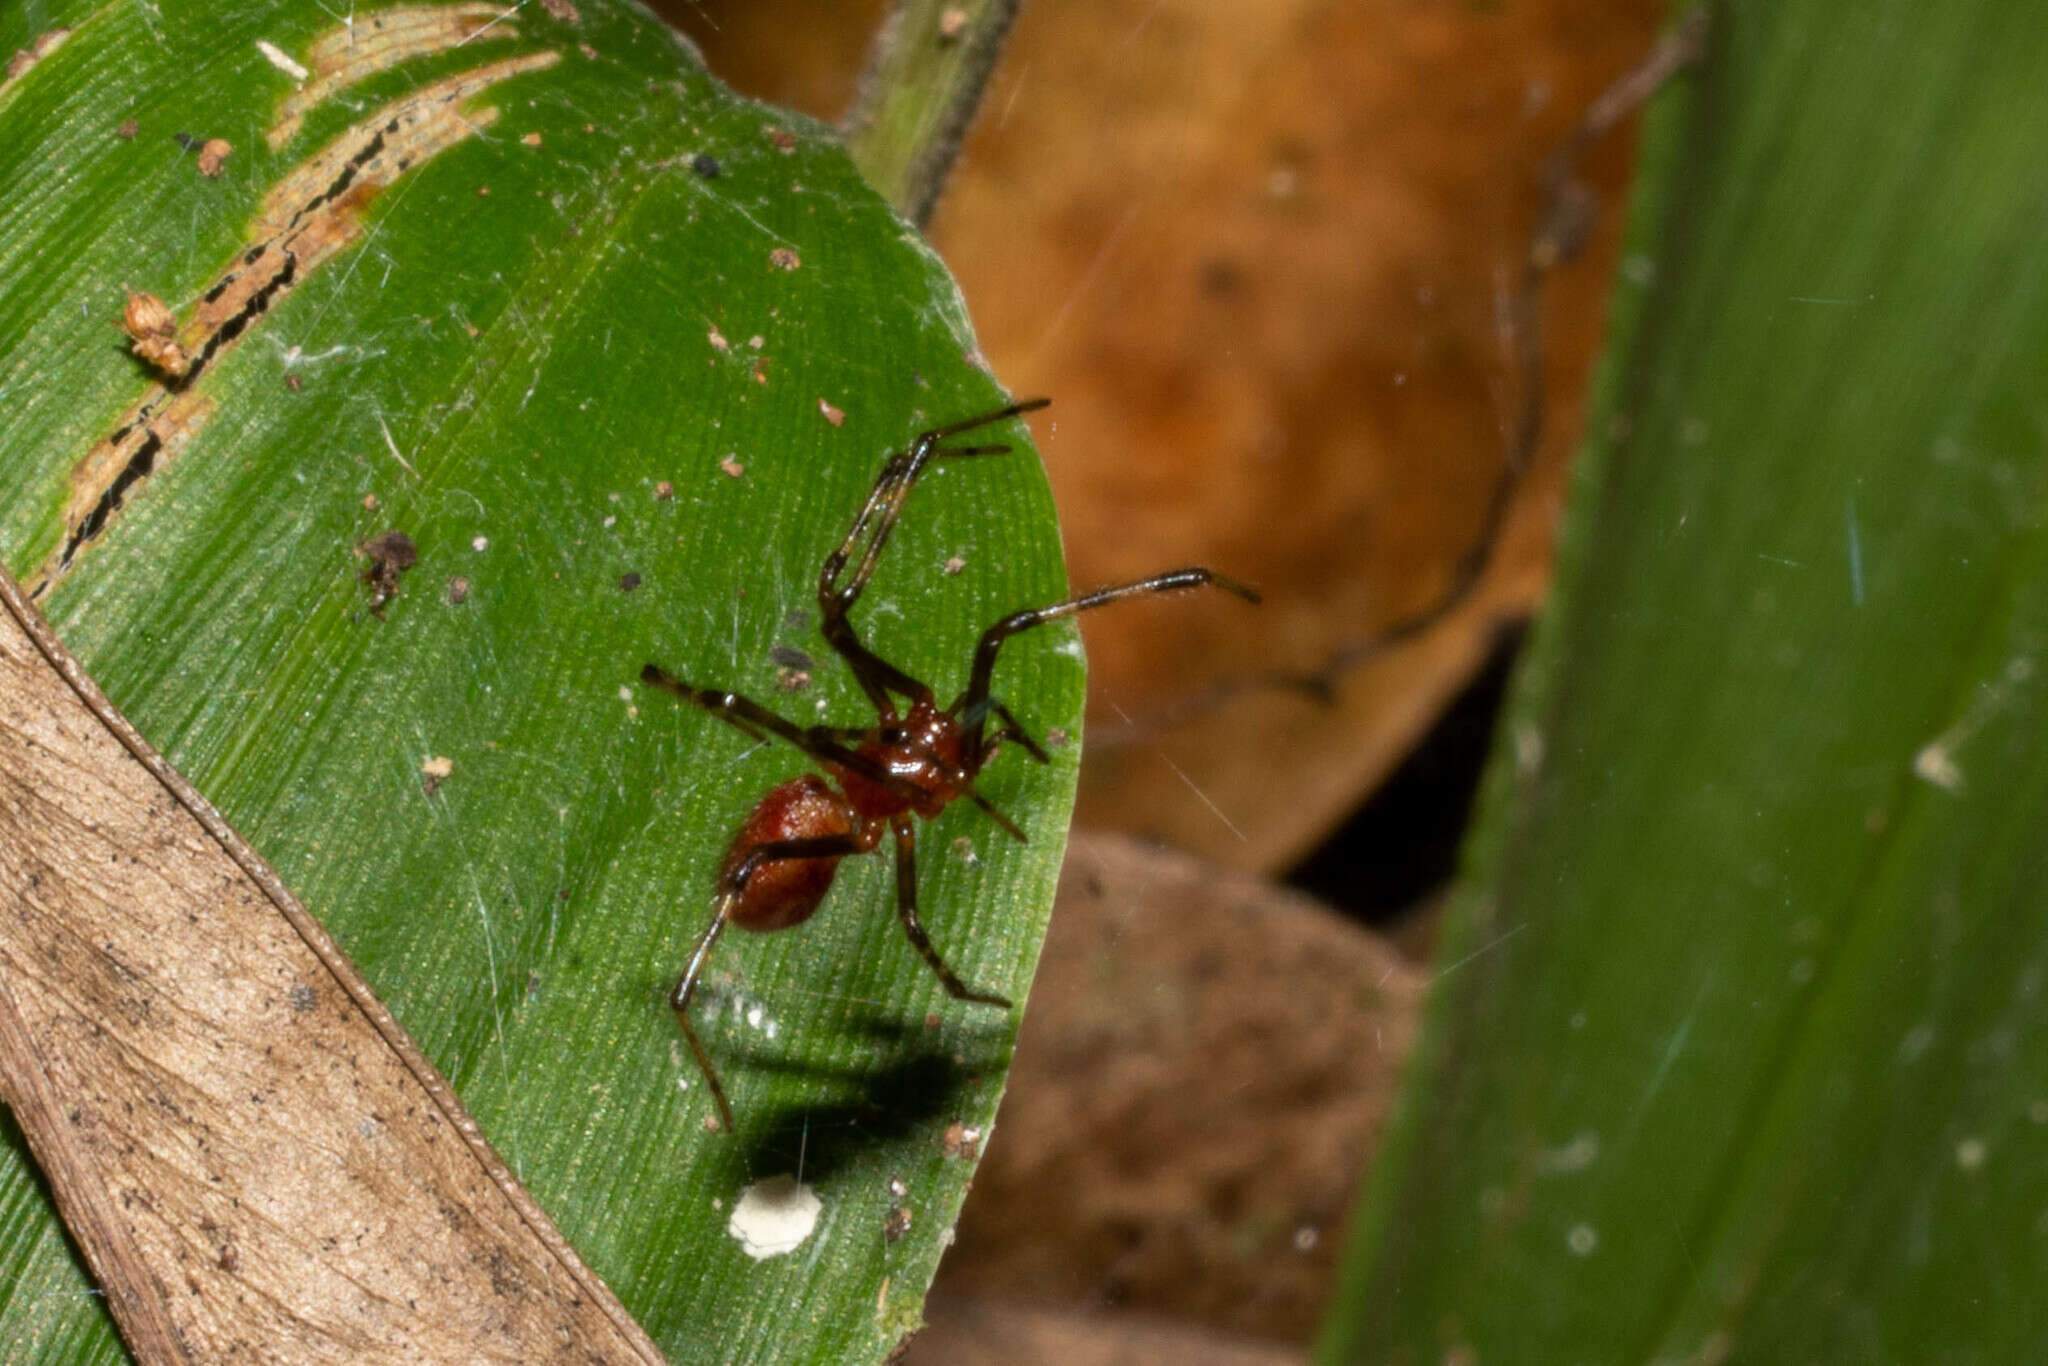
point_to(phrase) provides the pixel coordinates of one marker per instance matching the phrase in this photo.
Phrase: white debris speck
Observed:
(1970, 1154)
(276, 56)
(480, 543)
(1582, 1239)
(774, 1217)
(1936, 764)
(1576, 1156)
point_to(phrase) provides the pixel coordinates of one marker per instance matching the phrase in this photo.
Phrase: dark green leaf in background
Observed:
(622, 364)
(1741, 1051)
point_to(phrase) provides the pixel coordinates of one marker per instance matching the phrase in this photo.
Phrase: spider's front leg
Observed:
(974, 705)
(878, 678)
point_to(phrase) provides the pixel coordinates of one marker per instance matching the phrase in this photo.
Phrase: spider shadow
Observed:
(923, 1077)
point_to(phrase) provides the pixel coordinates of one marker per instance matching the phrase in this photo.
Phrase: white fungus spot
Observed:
(480, 544)
(1582, 1239)
(1970, 1154)
(774, 1217)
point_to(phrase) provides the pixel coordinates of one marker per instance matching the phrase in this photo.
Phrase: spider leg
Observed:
(756, 722)
(974, 705)
(906, 910)
(686, 988)
(865, 541)
(1013, 729)
(1009, 827)
(731, 887)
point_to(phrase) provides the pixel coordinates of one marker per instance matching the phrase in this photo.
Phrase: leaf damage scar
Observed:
(377, 42)
(18, 65)
(305, 221)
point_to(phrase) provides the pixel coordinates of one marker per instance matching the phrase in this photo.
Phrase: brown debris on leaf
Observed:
(152, 334)
(783, 258)
(213, 154)
(390, 555)
(433, 770)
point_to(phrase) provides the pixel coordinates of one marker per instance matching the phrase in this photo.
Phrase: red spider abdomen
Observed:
(785, 892)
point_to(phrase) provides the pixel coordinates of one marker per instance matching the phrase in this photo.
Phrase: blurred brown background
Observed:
(1263, 256)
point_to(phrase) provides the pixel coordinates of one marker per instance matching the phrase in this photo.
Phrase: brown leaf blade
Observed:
(254, 1158)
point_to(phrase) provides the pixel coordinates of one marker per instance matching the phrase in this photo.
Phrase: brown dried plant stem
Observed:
(930, 63)
(256, 1161)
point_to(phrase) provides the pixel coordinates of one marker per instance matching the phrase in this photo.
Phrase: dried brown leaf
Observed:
(257, 1162)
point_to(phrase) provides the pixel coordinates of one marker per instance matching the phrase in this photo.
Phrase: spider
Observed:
(915, 760)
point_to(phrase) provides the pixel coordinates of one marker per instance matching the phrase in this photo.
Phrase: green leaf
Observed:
(1740, 1050)
(623, 401)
